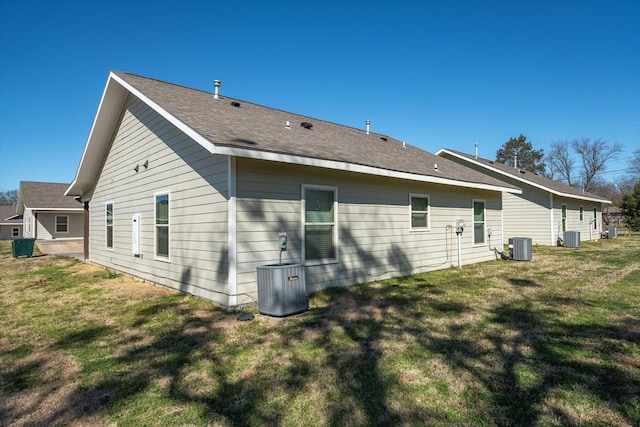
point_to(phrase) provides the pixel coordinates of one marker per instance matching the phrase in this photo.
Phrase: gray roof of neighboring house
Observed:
(531, 178)
(9, 212)
(45, 196)
(251, 130)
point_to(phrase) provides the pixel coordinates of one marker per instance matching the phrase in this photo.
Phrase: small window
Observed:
(109, 225)
(62, 224)
(595, 218)
(581, 214)
(478, 222)
(162, 225)
(320, 223)
(15, 232)
(564, 218)
(419, 211)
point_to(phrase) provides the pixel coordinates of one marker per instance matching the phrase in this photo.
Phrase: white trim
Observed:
(232, 232)
(352, 167)
(15, 231)
(563, 217)
(155, 226)
(552, 226)
(419, 196)
(484, 222)
(303, 206)
(517, 178)
(581, 213)
(205, 143)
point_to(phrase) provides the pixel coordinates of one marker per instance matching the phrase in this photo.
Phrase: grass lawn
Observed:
(554, 341)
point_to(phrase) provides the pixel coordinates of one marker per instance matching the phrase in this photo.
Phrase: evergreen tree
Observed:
(520, 150)
(631, 208)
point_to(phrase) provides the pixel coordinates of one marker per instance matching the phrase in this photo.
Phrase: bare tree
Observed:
(561, 162)
(635, 163)
(594, 155)
(8, 198)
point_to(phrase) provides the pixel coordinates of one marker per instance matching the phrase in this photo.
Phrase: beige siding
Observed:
(527, 214)
(46, 223)
(375, 240)
(587, 228)
(197, 183)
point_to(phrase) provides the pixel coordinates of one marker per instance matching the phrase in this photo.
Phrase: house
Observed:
(190, 190)
(47, 213)
(10, 223)
(545, 209)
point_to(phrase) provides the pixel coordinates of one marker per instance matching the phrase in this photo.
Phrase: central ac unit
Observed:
(571, 239)
(520, 248)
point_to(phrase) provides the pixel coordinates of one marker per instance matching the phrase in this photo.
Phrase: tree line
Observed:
(582, 163)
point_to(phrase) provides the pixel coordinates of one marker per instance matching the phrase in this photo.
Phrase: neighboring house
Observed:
(47, 213)
(190, 190)
(612, 216)
(10, 223)
(545, 209)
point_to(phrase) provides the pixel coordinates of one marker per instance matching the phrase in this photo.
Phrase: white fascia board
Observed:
(525, 181)
(57, 209)
(204, 142)
(351, 167)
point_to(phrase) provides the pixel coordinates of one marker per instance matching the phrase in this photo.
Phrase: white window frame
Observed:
(563, 217)
(581, 213)
(595, 218)
(66, 224)
(15, 231)
(106, 226)
(428, 211)
(484, 222)
(157, 257)
(303, 205)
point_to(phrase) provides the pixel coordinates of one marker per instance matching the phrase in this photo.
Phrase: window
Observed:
(419, 211)
(595, 218)
(162, 225)
(62, 224)
(109, 225)
(478, 222)
(320, 223)
(581, 214)
(564, 218)
(15, 232)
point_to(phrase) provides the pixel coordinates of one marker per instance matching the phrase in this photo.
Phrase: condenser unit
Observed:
(281, 289)
(571, 239)
(612, 232)
(520, 248)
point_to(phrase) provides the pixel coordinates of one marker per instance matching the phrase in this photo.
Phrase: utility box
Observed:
(612, 232)
(22, 247)
(282, 290)
(520, 248)
(571, 239)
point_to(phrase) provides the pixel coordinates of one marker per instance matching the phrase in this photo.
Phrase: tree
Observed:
(630, 207)
(527, 158)
(592, 155)
(9, 198)
(560, 162)
(635, 163)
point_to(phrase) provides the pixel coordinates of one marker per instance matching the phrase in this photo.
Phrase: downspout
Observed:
(551, 218)
(86, 230)
(232, 247)
(35, 225)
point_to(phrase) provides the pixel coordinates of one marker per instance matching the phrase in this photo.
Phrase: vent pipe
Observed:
(476, 150)
(368, 123)
(216, 88)
(515, 160)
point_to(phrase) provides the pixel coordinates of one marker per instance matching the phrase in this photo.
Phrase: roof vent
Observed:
(235, 104)
(306, 125)
(216, 88)
(368, 123)
(383, 138)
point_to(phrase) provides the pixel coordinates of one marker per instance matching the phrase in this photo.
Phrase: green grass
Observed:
(554, 341)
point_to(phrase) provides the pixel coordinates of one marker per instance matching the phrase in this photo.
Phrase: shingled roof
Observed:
(8, 215)
(45, 196)
(239, 128)
(555, 187)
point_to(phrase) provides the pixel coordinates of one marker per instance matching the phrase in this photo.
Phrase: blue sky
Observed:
(431, 73)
